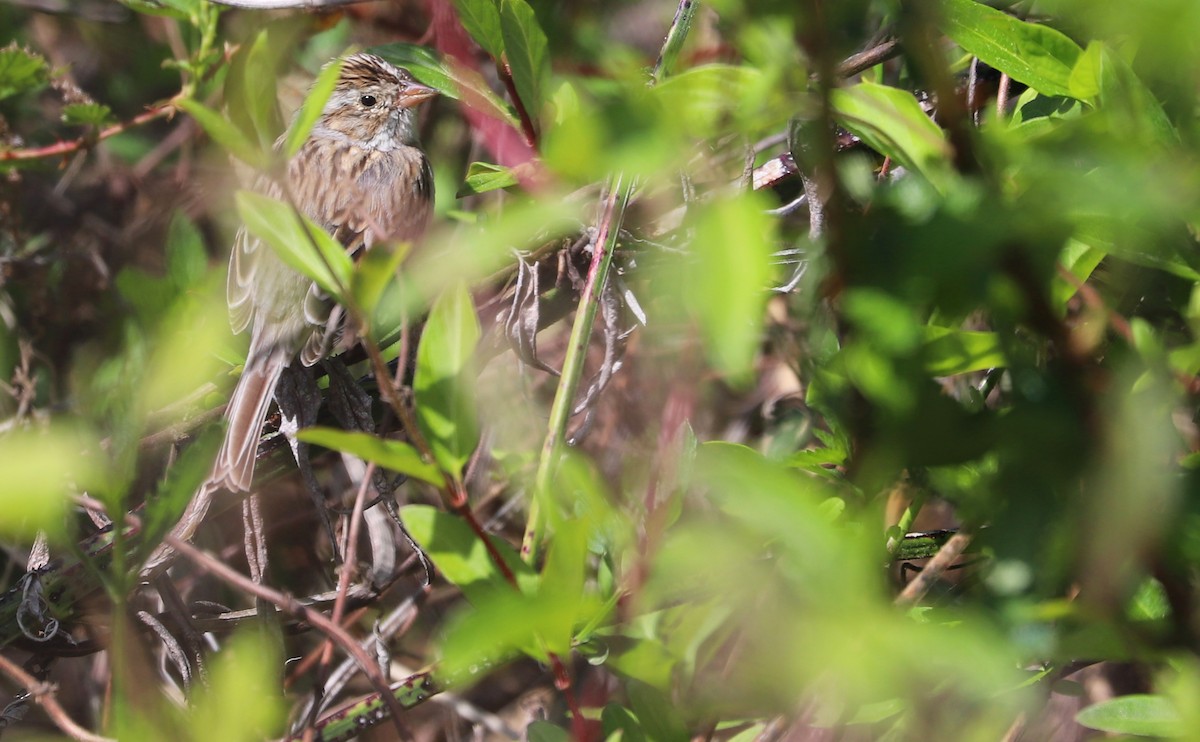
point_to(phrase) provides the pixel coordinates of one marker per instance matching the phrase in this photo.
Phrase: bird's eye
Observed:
(367, 100)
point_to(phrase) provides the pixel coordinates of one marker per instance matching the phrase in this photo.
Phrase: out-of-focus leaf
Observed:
(544, 731)
(1140, 714)
(375, 272)
(182, 358)
(1079, 260)
(483, 177)
(892, 122)
(727, 287)
(460, 556)
(1039, 56)
(293, 238)
(187, 262)
(525, 48)
(481, 18)
(246, 668)
(445, 377)
(42, 469)
(87, 114)
(699, 99)
(310, 111)
(20, 71)
(657, 714)
(225, 134)
(617, 719)
(389, 454)
(948, 352)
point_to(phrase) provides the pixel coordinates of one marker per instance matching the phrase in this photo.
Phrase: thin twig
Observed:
(84, 142)
(210, 564)
(43, 693)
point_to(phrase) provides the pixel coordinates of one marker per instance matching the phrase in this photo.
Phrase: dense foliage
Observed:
(774, 370)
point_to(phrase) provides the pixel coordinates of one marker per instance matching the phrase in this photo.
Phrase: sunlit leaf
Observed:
(727, 290)
(892, 123)
(246, 668)
(526, 50)
(460, 556)
(483, 177)
(422, 62)
(948, 352)
(310, 111)
(298, 242)
(225, 133)
(481, 18)
(444, 380)
(42, 469)
(390, 454)
(1141, 714)
(1039, 56)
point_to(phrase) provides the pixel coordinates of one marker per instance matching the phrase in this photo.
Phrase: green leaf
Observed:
(87, 114)
(293, 238)
(42, 469)
(483, 177)
(948, 352)
(20, 71)
(460, 556)
(187, 261)
(659, 717)
(310, 111)
(247, 668)
(1147, 715)
(544, 731)
(481, 18)
(525, 48)
(397, 456)
(225, 134)
(422, 62)
(1039, 56)
(1079, 259)
(892, 123)
(727, 290)
(445, 378)
(376, 271)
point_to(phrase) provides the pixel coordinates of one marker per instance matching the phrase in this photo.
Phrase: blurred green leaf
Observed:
(526, 50)
(294, 237)
(544, 731)
(389, 454)
(20, 71)
(310, 111)
(187, 261)
(376, 271)
(1140, 714)
(483, 177)
(1039, 56)
(225, 134)
(87, 114)
(481, 18)
(727, 286)
(42, 469)
(460, 556)
(247, 668)
(949, 352)
(444, 380)
(657, 714)
(892, 123)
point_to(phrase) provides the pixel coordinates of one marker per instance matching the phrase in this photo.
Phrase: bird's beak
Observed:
(415, 93)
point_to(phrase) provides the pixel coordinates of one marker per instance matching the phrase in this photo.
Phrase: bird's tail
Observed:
(234, 467)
